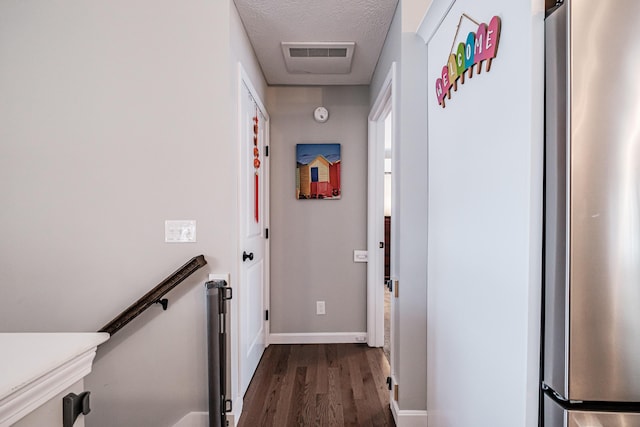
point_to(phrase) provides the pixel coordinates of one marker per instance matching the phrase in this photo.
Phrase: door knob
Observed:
(246, 255)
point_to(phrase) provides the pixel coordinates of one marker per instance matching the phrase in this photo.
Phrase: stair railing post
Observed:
(217, 295)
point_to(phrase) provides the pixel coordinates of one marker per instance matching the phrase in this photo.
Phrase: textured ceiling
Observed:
(270, 22)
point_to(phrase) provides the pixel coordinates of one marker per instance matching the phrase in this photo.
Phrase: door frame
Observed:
(386, 101)
(236, 326)
(245, 80)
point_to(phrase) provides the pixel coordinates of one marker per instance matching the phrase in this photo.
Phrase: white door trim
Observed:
(386, 101)
(244, 79)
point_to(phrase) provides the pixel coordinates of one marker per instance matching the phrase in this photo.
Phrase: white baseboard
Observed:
(201, 419)
(402, 418)
(194, 419)
(234, 416)
(319, 338)
(408, 418)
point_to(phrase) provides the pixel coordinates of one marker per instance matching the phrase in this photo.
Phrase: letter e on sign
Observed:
(493, 37)
(446, 83)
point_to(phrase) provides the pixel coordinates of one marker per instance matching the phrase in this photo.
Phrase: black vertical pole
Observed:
(222, 337)
(216, 345)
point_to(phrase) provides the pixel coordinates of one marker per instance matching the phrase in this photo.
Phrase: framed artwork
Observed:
(318, 171)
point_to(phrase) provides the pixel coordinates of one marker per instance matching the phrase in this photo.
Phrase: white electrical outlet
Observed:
(320, 307)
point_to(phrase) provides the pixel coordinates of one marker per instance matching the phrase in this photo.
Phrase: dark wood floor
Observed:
(319, 385)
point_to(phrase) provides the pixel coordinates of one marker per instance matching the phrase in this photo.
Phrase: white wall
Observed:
(411, 225)
(115, 116)
(390, 54)
(485, 232)
(409, 247)
(312, 241)
(413, 12)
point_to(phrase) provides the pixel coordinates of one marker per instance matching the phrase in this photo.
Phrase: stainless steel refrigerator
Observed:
(591, 358)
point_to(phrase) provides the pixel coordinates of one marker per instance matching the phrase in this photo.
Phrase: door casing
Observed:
(239, 298)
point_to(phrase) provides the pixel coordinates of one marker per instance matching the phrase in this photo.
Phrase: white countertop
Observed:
(34, 367)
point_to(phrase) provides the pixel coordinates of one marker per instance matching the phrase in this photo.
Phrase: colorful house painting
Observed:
(318, 171)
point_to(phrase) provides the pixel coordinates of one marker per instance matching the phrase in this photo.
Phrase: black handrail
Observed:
(154, 295)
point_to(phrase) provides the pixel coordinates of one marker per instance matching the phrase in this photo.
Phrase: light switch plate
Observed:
(360, 256)
(180, 231)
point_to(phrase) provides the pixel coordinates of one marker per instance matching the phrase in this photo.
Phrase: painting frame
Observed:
(318, 171)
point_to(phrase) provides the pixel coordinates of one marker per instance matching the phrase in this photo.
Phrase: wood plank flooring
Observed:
(319, 385)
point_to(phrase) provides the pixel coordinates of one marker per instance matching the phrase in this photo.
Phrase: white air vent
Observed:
(318, 58)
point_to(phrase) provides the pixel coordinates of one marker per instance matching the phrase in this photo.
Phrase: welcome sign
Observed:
(481, 46)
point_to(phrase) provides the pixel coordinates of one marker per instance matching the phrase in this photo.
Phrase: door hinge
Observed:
(395, 392)
(266, 315)
(551, 5)
(397, 285)
(381, 245)
(389, 382)
(266, 233)
(266, 151)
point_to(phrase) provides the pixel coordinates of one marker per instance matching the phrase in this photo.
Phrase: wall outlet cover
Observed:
(180, 231)
(360, 256)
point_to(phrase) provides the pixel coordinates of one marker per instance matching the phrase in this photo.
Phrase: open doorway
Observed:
(380, 272)
(387, 195)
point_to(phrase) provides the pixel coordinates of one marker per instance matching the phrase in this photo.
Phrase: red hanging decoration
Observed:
(257, 213)
(256, 166)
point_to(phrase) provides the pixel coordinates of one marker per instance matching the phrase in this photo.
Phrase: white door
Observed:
(253, 242)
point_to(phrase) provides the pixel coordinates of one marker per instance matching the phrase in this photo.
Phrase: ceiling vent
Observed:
(318, 58)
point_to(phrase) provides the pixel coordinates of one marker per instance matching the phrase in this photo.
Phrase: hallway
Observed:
(319, 385)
